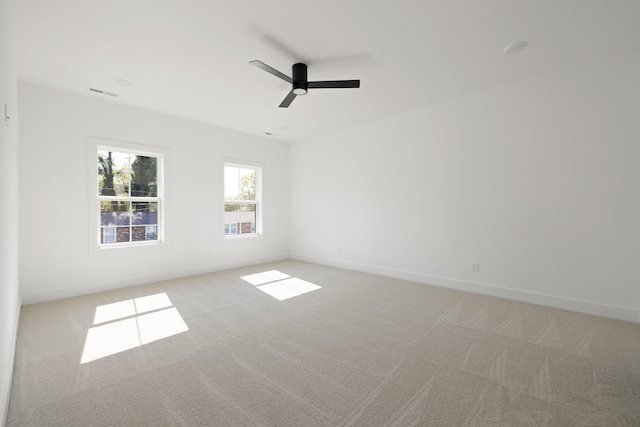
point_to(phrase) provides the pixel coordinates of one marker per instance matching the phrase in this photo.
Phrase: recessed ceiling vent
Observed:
(115, 95)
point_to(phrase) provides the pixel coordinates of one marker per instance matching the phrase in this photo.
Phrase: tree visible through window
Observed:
(240, 199)
(128, 197)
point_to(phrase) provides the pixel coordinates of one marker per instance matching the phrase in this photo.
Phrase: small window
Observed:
(241, 200)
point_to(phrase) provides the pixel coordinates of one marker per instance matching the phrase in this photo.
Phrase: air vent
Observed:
(115, 95)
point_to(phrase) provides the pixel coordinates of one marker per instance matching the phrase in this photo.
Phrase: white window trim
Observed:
(164, 168)
(260, 171)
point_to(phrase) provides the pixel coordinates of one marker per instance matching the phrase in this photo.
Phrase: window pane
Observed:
(144, 213)
(114, 173)
(247, 184)
(139, 233)
(242, 215)
(239, 183)
(144, 176)
(115, 214)
(108, 235)
(123, 234)
(231, 183)
(152, 232)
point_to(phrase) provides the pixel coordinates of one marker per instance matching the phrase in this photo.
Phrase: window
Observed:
(129, 196)
(241, 200)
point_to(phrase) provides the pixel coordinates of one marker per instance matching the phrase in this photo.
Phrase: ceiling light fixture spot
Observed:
(515, 46)
(124, 82)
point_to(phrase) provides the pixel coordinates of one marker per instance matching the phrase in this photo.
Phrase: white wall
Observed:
(9, 289)
(537, 180)
(54, 203)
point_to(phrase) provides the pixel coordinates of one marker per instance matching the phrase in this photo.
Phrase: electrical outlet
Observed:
(475, 267)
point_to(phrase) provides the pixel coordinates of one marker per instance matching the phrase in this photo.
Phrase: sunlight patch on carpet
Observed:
(121, 326)
(279, 285)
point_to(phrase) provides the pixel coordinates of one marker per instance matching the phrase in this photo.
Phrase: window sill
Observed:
(242, 237)
(115, 249)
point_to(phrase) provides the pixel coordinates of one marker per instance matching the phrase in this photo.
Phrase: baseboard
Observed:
(123, 282)
(614, 312)
(620, 313)
(6, 391)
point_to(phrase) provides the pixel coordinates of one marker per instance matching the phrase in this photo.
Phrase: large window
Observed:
(129, 190)
(241, 200)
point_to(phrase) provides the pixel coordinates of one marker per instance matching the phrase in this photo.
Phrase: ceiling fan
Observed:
(300, 83)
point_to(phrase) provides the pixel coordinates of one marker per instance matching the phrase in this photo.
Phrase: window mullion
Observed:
(127, 199)
(143, 199)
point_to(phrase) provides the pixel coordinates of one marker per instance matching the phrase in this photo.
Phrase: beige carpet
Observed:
(343, 349)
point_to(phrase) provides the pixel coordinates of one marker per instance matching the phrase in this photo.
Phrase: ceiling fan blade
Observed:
(334, 84)
(288, 100)
(271, 70)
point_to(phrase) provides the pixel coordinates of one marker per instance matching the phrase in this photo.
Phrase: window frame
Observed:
(258, 200)
(162, 199)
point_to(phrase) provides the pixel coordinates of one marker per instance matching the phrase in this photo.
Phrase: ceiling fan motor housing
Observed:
(299, 72)
(300, 83)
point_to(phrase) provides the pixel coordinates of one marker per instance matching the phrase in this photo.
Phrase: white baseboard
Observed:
(614, 312)
(123, 282)
(620, 313)
(6, 389)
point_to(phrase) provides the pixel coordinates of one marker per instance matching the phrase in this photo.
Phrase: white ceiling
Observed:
(190, 58)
